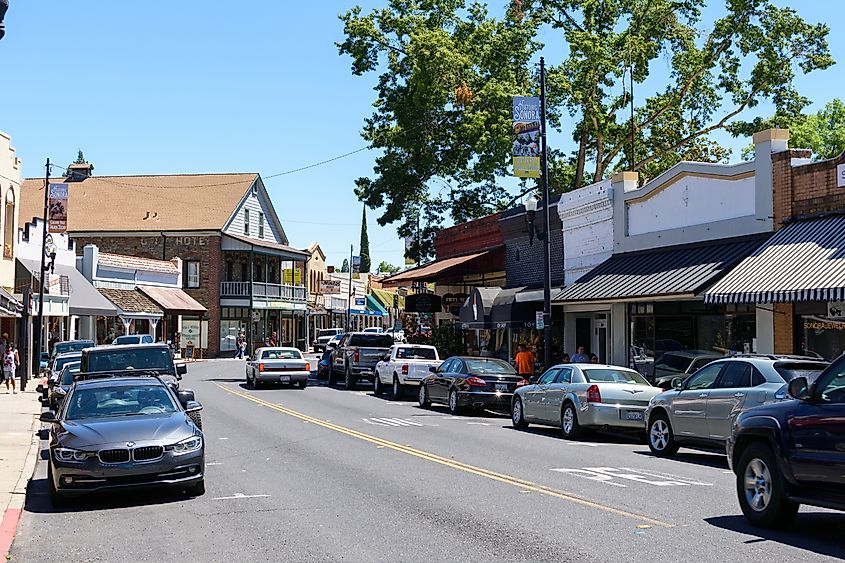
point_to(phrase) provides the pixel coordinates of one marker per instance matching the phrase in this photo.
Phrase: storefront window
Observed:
(817, 332)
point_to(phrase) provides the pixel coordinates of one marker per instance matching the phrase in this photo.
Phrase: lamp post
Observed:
(531, 210)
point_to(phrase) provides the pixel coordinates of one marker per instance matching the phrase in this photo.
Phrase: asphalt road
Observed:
(327, 474)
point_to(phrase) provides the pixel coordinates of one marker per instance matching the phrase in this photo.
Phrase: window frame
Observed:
(565, 374)
(748, 376)
(697, 375)
(260, 224)
(548, 377)
(188, 276)
(246, 222)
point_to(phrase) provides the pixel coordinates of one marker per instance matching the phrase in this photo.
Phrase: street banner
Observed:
(57, 209)
(356, 264)
(329, 286)
(526, 132)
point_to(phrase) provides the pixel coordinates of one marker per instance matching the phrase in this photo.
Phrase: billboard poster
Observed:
(526, 133)
(57, 209)
(292, 276)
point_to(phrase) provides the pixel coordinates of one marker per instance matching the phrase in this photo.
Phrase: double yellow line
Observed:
(522, 484)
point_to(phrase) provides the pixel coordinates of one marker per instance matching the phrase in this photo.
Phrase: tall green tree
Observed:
(344, 268)
(365, 244)
(752, 52)
(822, 132)
(386, 268)
(442, 114)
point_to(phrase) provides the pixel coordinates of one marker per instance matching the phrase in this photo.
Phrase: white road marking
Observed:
(391, 422)
(479, 423)
(210, 463)
(607, 475)
(240, 496)
(222, 438)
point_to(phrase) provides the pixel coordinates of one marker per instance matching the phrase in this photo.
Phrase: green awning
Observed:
(375, 306)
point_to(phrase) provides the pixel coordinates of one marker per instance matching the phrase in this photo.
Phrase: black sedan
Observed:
(479, 383)
(123, 433)
(58, 391)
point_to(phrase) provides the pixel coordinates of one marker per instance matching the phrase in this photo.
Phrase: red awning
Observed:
(172, 299)
(429, 272)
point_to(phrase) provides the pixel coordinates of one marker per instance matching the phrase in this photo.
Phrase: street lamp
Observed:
(531, 211)
(4, 5)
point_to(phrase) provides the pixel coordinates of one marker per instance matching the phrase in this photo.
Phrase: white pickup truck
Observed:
(405, 365)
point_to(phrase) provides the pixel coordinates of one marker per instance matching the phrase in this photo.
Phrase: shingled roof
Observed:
(144, 203)
(135, 263)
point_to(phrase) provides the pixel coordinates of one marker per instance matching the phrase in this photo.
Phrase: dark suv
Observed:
(790, 453)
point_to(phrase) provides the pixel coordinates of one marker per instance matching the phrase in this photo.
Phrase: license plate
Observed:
(633, 415)
(501, 387)
(284, 378)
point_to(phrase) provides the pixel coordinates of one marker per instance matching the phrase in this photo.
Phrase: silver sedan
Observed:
(579, 396)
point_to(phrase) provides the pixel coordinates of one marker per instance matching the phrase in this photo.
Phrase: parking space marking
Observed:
(520, 484)
(612, 475)
(391, 422)
(240, 496)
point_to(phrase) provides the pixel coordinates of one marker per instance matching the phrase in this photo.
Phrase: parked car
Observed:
(59, 390)
(324, 366)
(58, 362)
(791, 452)
(324, 336)
(576, 397)
(277, 365)
(334, 342)
(124, 433)
(357, 355)
(681, 363)
(462, 381)
(398, 335)
(376, 329)
(149, 359)
(403, 366)
(70, 346)
(44, 361)
(133, 339)
(700, 411)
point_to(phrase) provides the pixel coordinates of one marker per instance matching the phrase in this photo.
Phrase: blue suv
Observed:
(792, 452)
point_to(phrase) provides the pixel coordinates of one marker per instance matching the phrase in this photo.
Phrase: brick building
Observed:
(235, 254)
(796, 279)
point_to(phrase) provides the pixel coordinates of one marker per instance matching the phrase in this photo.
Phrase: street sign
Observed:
(360, 302)
(538, 320)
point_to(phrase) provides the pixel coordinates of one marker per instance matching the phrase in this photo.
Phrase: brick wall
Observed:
(524, 262)
(806, 189)
(205, 249)
(783, 327)
(466, 238)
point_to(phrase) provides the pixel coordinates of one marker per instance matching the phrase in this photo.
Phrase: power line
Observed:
(316, 164)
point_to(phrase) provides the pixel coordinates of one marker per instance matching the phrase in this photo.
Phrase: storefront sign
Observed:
(423, 303)
(539, 322)
(840, 176)
(526, 132)
(329, 286)
(836, 310)
(177, 241)
(57, 216)
(452, 302)
(360, 302)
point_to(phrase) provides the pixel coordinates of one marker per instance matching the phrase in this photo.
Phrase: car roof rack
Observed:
(779, 357)
(85, 376)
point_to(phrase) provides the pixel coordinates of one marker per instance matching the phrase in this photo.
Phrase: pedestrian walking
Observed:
(524, 361)
(581, 357)
(9, 368)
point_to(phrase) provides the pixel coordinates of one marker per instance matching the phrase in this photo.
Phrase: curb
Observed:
(12, 514)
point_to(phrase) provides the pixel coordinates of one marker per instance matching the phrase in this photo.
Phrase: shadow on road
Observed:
(815, 532)
(714, 460)
(593, 436)
(225, 379)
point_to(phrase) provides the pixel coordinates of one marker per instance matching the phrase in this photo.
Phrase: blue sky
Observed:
(203, 86)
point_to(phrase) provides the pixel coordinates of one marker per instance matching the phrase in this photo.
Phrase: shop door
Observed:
(583, 333)
(600, 340)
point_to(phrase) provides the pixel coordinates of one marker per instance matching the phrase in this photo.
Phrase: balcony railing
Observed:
(296, 293)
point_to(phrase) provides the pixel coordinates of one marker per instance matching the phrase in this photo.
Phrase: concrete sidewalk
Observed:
(18, 453)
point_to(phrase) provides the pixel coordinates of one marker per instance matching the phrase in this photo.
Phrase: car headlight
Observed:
(68, 454)
(187, 445)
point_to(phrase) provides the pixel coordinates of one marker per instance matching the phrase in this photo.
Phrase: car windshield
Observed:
(482, 366)
(673, 362)
(68, 373)
(132, 358)
(119, 400)
(416, 354)
(64, 347)
(789, 371)
(324, 333)
(371, 340)
(609, 375)
(60, 362)
(281, 355)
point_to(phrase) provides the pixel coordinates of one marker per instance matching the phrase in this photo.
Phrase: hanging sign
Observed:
(356, 264)
(539, 322)
(526, 132)
(57, 209)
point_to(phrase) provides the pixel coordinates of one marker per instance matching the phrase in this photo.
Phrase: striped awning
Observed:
(803, 261)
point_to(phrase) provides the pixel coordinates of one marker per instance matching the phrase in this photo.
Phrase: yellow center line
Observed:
(522, 484)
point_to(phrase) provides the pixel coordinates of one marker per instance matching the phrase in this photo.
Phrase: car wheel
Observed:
(423, 399)
(378, 388)
(57, 498)
(517, 415)
(761, 489)
(397, 389)
(569, 425)
(454, 408)
(196, 418)
(661, 439)
(302, 385)
(198, 489)
(350, 379)
(255, 382)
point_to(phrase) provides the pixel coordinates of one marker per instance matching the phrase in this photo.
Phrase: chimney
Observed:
(178, 263)
(767, 143)
(90, 257)
(77, 171)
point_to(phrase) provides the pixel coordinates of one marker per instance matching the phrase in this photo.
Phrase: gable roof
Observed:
(178, 202)
(269, 210)
(135, 263)
(315, 247)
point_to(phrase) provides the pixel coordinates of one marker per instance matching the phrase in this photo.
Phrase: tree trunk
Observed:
(599, 159)
(582, 156)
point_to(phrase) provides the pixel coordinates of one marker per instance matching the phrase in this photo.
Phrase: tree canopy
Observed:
(447, 70)
(386, 268)
(822, 132)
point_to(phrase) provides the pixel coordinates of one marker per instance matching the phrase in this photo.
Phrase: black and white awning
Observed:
(803, 261)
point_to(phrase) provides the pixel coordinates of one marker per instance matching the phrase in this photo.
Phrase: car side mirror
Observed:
(677, 383)
(193, 406)
(799, 388)
(432, 369)
(48, 416)
(185, 396)
(181, 369)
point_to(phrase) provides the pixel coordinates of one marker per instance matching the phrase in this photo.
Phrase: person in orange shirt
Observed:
(524, 361)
